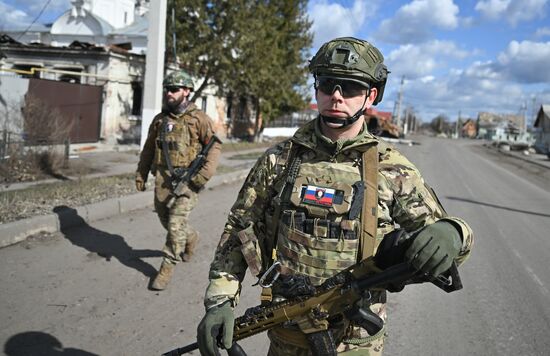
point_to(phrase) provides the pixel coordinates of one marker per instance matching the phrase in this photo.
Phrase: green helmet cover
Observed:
(178, 79)
(352, 59)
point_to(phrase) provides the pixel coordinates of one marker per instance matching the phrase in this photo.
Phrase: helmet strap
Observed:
(347, 121)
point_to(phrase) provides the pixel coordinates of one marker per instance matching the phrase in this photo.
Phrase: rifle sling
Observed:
(369, 214)
(292, 163)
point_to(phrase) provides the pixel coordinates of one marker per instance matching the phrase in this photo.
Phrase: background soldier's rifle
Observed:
(181, 177)
(337, 296)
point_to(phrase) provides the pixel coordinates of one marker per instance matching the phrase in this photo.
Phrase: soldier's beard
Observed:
(177, 106)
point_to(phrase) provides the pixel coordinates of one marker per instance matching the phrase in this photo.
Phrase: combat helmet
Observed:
(178, 78)
(351, 59)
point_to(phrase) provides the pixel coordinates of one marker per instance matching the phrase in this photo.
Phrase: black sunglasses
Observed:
(348, 88)
(173, 89)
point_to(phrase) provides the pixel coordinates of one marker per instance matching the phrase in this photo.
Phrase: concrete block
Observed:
(17, 231)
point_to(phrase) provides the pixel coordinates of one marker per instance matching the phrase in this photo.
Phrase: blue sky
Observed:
(455, 55)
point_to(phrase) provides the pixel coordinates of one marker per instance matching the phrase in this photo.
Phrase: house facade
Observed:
(118, 74)
(102, 22)
(96, 43)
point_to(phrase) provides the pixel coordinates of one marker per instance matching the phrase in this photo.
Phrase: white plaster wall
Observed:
(12, 94)
(113, 11)
(67, 24)
(118, 97)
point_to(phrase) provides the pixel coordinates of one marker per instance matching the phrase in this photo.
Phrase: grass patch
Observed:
(40, 199)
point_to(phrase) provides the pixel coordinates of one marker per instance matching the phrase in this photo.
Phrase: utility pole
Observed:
(154, 66)
(524, 116)
(397, 107)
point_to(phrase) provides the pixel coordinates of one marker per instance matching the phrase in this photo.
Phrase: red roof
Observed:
(384, 115)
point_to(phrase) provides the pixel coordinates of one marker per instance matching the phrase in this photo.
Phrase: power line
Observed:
(35, 19)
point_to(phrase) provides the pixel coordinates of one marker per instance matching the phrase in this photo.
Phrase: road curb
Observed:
(525, 159)
(17, 231)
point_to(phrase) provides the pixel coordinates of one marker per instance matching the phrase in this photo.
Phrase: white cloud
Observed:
(414, 61)
(414, 22)
(10, 16)
(543, 32)
(502, 85)
(492, 9)
(514, 11)
(35, 6)
(465, 91)
(331, 20)
(27, 10)
(526, 62)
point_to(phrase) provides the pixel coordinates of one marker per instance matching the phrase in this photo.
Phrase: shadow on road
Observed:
(39, 343)
(104, 244)
(499, 206)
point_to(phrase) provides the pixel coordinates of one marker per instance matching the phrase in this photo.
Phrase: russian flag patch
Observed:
(319, 196)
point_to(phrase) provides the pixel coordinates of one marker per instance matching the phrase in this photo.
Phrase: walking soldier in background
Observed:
(178, 138)
(319, 203)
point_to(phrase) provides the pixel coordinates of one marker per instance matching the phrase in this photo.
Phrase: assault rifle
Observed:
(337, 296)
(181, 177)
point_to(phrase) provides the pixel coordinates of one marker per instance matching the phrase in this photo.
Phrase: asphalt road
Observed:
(84, 291)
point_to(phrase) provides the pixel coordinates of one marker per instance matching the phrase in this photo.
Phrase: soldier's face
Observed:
(341, 105)
(176, 95)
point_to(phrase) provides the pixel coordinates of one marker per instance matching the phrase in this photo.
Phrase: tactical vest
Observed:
(181, 140)
(316, 236)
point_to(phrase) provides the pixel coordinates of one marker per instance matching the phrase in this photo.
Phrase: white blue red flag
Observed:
(319, 196)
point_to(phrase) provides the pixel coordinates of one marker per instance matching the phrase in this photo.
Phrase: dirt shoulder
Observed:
(529, 169)
(94, 177)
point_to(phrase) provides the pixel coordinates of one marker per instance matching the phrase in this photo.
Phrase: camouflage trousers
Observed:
(176, 221)
(357, 342)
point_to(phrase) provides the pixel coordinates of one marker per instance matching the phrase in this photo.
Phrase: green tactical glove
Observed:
(140, 182)
(216, 325)
(434, 248)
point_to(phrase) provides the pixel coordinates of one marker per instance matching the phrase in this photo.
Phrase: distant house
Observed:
(504, 128)
(489, 123)
(542, 133)
(468, 129)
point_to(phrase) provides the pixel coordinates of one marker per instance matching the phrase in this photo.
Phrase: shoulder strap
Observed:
(369, 214)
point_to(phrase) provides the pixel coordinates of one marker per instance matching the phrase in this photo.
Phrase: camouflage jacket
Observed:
(403, 199)
(200, 132)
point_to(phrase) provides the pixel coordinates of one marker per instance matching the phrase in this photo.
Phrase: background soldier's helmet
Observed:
(178, 79)
(351, 59)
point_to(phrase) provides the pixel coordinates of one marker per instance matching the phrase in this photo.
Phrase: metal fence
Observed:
(11, 142)
(17, 143)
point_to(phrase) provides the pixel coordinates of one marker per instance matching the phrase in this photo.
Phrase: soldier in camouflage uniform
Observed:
(296, 209)
(175, 137)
